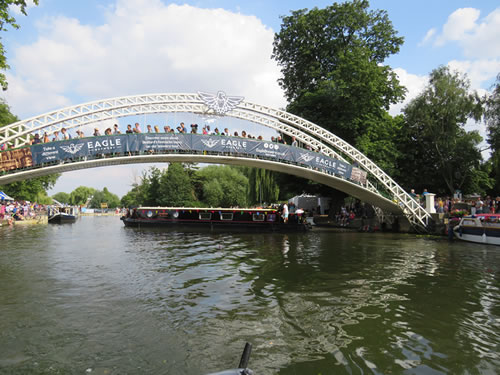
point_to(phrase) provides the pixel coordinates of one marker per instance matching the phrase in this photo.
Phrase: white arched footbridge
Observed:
(362, 179)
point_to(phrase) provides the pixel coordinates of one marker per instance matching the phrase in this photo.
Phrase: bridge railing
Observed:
(53, 153)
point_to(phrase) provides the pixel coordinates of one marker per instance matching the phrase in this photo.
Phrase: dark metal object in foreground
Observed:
(242, 367)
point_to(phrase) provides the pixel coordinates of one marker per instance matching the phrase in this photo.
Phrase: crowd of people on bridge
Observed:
(64, 134)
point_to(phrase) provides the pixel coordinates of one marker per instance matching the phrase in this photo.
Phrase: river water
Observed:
(97, 298)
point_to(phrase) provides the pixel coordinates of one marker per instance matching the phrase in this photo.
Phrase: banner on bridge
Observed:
(125, 144)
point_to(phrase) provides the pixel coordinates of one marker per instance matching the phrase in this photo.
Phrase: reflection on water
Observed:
(97, 296)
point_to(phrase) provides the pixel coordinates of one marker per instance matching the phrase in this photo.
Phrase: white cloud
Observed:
(478, 71)
(144, 46)
(17, 9)
(478, 38)
(415, 84)
(428, 36)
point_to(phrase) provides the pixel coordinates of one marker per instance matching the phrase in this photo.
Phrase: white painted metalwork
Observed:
(320, 139)
(336, 182)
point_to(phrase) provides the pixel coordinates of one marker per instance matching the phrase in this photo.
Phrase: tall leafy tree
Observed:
(61, 197)
(81, 195)
(175, 187)
(492, 117)
(332, 65)
(6, 20)
(34, 189)
(104, 196)
(444, 156)
(224, 186)
(262, 185)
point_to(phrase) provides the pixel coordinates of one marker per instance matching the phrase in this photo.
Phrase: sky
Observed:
(71, 52)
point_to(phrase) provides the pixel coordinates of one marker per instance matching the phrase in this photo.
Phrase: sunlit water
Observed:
(95, 297)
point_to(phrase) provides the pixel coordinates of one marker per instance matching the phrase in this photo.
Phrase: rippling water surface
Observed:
(95, 297)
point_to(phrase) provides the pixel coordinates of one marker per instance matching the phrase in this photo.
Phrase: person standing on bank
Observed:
(285, 213)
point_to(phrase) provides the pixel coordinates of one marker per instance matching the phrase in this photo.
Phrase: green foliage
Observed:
(444, 156)
(312, 45)
(212, 193)
(492, 117)
(380, 142)
(216, 186)
(62, 197)
(262, 185)
(226, 186)
(6, 117)
(31, 189)
(7, 19)
(134, 197)
(331, 60)
(175, 187)
(104, 196)
(80, 195)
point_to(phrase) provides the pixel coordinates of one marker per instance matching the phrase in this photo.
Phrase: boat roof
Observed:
(207, 209)
(483, 216)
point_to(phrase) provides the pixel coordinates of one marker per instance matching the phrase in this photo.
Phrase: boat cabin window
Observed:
(226, 216)
(258, 217)
(469, 222)
(205, 215)
(271, 217)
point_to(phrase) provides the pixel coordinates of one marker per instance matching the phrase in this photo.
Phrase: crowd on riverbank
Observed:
(473, 204)
(11, 211)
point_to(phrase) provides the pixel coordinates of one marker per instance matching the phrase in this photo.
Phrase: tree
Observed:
(34, 189)
(7, 19)
(224, 186)
(61, 197)
(175, 189)
(104, 196)
(262, 185)
(133, 197)
(81, 195)
(332, 65)
(152, 183)
(492, 117)
(212, 193)
(6, 116)
(444, 156)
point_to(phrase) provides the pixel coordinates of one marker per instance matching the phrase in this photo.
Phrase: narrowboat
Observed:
(62, 215)
(257, 219)
(480, 228)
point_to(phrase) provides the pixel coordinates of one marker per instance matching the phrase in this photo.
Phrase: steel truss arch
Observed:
(321, 139)
(301, 171)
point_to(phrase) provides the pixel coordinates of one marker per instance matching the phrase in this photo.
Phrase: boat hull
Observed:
(62, 219)
(484, 229)
(216, 225)
(214, 219)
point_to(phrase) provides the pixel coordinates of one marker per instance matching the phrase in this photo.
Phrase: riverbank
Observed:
(438, 227)
(39, 219)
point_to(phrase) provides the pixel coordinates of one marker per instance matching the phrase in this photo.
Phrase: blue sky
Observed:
(69, 52)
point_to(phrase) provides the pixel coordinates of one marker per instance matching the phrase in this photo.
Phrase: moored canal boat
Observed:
(268, 219)
(62, 215)
(480, 228)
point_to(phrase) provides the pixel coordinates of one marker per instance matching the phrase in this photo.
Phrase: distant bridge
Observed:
(334, 163)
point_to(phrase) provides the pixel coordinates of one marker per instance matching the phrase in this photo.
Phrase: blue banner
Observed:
(124, 144)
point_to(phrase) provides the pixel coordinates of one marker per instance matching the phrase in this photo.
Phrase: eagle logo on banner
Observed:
(209, 142)
(220, 102)
(306, 157)
(72, 148)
